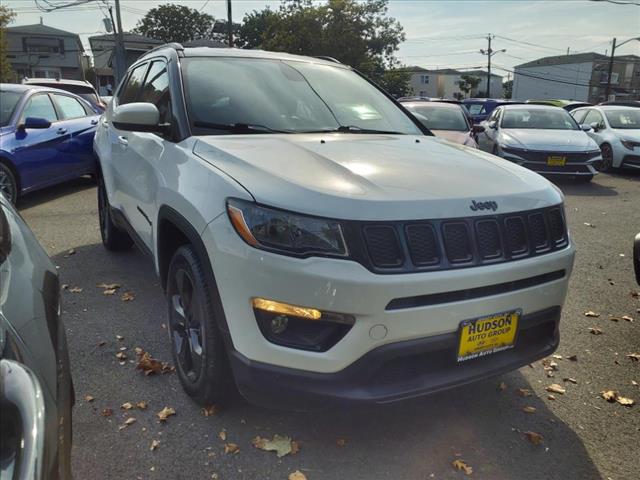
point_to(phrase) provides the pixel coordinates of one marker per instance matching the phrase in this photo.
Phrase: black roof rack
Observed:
(173, 45)
(329, 59)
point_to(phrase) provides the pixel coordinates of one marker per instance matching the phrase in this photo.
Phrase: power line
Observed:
(548, 79)
(529, 43)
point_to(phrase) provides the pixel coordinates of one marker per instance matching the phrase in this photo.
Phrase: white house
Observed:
(443, 83)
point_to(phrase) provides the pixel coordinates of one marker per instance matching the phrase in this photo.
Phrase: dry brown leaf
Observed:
(609, 395)
(209, 411)
(595, 330)
(107, 412)
(551, 397)
(165, 413)
(126, 406)
(570, 379)
(555, 388)
(75, 289)
(223, 435)
(634, 356)
(122, 356)
(529, 409)
(461, 465)
(149, 365)
(108, 286)
(627, 402)
(557, 357)
(89, 398)
(534, 437)
(627, 318)
(141, 405)
(127, 296)
(524, 392)
(231, 448)
(127, 422)
(282, 445)
(297, 475)
(154, 444)
(111, 291)
(341, 442)
(592, 314)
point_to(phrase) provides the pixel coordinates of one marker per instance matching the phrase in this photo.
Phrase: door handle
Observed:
(123, 141)
(61, 131)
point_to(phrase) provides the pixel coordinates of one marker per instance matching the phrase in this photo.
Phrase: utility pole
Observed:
(229, 23)
(608, 89)
(490, 53)
(121, 62)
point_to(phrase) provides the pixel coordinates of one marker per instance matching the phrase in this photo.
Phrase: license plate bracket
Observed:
(489, 334)
(556, 161)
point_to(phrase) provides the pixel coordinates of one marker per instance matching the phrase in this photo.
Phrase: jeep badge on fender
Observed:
(475, 206)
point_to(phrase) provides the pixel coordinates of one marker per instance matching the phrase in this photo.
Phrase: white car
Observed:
(616, 129)
(544, 138)
(314, 241)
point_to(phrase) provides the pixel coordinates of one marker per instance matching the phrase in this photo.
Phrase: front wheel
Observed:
(8, 184)
(113, 238)
(196, 342)
(607, 157)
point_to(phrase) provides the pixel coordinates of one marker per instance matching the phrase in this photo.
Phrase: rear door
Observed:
(79, 121)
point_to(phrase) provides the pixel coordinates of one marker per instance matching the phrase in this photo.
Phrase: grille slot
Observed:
(423, 244)
(457, 242)
(538, 231)
(556, 225)
(516, 235)
(488, 238)
(384, 246)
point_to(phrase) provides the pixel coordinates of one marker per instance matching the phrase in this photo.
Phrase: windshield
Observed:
(440, 118)
(475, 108)
(538, 118)
(285, 96)
(7, 106)
(627, 119)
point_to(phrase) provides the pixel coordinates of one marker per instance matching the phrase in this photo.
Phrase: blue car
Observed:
(46, 137)
(481, 108)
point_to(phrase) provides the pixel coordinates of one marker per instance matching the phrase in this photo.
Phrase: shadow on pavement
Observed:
(411, 440)
(56, 191)
(590, 189)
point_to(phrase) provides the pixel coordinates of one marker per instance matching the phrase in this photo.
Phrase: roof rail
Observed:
(327, 58)
(173, 45)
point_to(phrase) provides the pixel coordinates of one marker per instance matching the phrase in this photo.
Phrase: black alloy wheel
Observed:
(607, 157)
(113, 238)
(8, 184)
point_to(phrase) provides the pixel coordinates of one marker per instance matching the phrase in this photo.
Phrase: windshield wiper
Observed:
(238, 127)
(354, 129)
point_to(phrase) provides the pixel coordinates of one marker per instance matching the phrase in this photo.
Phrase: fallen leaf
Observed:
(591, 313)
(88, 398)
(127, 296)
(165, 413)
(534, 437)
(595, 330)
(461, 465)
(634, 357)
(223, 435)
(555, 388)
(150, 365)
(341, 442)
(570, 379)
(529, 409)
(280, 444)
(127, 422)
(557, 357)
(107, 412)
(634, 383)
(141, 405)
(75, 289)
(154, 444)
(127, 406)
(231, 448)
(551, 397)
(573, 358)
(627, 318)
(589, 225)
(297, 475)
(609, 395)
(108, 286)
(209, 411)
(119, 338)
(121, 356)
(627, 402)
(524, 392)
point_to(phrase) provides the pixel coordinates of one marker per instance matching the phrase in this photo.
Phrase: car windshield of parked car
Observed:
(265, 95)
(440, 118)
(7, 106)
(475, 108)
(534, 118)
(628, 119)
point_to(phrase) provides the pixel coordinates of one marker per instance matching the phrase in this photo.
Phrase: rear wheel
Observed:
(196, 342)
(8, 183)
(113, 238)
(607, 157)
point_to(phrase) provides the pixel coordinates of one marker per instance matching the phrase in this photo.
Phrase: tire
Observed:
(200, 358)
(113, 238)
(8, 183)
(607, 157)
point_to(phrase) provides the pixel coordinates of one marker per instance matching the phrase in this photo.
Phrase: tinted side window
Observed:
(39, 106)
(132, 87)
(69, 107)
(156, 90)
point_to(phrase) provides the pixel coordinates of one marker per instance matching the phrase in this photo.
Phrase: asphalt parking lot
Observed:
(583, 436)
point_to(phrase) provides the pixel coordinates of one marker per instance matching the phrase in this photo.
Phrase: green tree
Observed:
(468, 83)
(175, 23)
(508, 89)
(6, 72)
(356, 33)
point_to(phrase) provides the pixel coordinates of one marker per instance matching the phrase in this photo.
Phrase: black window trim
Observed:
(171, 134)
(145, 64)
(20, 119)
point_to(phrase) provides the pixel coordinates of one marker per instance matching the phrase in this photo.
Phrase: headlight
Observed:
(286, 232)
(630, 144)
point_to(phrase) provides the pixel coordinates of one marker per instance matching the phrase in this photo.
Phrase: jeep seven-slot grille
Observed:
(463, 242)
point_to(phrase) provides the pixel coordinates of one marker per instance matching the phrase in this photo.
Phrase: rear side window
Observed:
(156, 90)
(132, 87)
(39, 106)
(69, 107)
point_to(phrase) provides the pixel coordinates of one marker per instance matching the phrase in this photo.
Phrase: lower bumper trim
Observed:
(393, 372)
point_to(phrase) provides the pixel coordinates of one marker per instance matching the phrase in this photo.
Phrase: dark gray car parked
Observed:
(36, 392)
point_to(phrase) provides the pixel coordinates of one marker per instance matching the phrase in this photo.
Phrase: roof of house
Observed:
(564, 59)
(479, 72)
(128, 37)
(40, 29)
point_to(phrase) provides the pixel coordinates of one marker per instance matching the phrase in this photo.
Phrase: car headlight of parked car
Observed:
(630, 144)
(286, 232)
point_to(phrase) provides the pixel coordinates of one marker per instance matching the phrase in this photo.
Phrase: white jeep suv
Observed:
(315, 242)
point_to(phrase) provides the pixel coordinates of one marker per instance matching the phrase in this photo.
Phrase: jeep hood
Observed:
(373, 177)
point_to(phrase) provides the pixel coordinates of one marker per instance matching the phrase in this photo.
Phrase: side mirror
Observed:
(35, 122)
(477, 128)
(493, 124)
(636, 257)
(595, 126)
(585, 128)
(138, 117)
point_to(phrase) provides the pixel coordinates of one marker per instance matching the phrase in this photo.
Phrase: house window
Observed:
(43, 45)
(424, 79)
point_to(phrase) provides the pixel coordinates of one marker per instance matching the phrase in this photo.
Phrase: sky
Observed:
(439, 34)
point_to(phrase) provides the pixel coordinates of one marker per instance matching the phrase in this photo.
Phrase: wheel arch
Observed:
(11, 166)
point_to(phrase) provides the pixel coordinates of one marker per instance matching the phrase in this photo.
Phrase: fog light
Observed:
(279, 324)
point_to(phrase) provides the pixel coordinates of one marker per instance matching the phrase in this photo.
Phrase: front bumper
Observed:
(394, 372)
(631, 161)
(576, 165)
